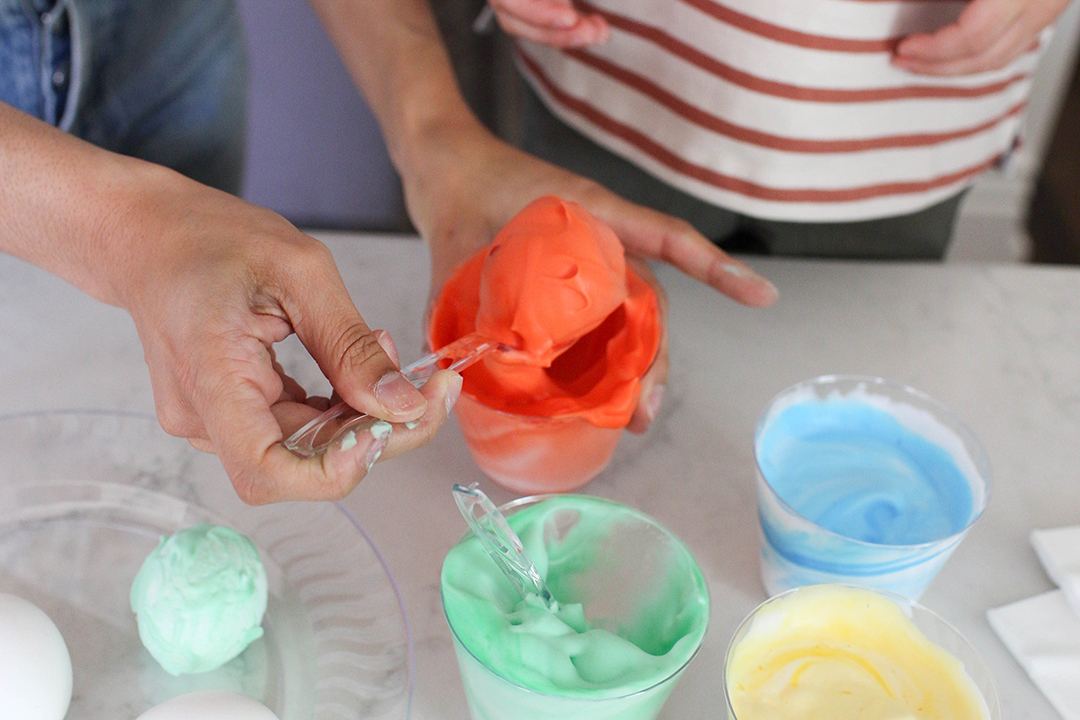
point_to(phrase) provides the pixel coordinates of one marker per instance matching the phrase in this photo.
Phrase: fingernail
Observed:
(567, 20)
(387, 344)
(736, 270)
(348, 442)
(655, 400)
(380, 435)
(739, 271)
(453, 392)
(771, 292)
(397, 394)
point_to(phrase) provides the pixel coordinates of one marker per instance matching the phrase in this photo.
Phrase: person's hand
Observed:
(988, 35)
(551, 22)
(465, 185)
(212, 283)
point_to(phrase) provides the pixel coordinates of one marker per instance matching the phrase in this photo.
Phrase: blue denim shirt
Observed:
(163, 80)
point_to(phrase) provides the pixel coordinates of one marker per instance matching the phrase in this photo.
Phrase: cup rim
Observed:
(993, 702)
(956, 425)
(533, 499)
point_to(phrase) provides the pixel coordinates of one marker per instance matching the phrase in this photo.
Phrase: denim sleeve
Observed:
(162, 81)
(20, 50)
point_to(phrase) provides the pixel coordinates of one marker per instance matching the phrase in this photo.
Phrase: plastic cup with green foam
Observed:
(630, 611)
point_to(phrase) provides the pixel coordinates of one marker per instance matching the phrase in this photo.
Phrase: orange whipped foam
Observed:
(553, 274)
(554, 284)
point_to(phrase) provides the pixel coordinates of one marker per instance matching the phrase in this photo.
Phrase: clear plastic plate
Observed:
(85, 496)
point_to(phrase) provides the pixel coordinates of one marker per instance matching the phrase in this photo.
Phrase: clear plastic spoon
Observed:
(501, 542)
(322, 432)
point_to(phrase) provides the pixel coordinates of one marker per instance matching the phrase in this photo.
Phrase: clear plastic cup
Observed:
(936, 630)
(528, 454)
(636, 555)
(797, 551)
(534, 453)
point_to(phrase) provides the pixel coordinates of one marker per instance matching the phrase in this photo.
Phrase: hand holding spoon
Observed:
(319, 434)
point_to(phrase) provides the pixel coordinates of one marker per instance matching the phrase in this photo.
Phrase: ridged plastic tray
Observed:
(84, 496)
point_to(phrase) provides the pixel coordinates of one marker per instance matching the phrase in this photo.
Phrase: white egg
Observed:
(35, 667)
(213, 705)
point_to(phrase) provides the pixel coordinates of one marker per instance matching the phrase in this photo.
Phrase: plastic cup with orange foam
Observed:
(584, 327)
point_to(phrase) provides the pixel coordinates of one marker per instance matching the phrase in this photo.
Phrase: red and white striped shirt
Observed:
(784, 109)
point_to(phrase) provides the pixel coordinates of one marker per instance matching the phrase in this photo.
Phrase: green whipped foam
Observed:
(563, 651)
(199, 598)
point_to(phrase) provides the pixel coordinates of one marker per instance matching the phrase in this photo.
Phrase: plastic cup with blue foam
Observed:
(866, 482)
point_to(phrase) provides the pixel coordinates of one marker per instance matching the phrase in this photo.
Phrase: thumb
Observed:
(351, 355)
(654, 383)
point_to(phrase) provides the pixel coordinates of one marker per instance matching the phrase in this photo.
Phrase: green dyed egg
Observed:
(199, 598)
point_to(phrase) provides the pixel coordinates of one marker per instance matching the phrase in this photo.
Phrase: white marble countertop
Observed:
(999, 344)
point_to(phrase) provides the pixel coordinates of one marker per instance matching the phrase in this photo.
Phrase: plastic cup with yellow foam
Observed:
(840, 652)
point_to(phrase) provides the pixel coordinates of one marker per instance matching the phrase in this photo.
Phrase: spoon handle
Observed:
(320, 433)
(500, 541)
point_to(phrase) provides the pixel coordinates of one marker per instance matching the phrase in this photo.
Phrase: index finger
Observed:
(979, 26)
(656, 235)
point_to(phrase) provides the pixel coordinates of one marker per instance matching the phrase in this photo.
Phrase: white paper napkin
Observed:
(1059, 551)
(1043, 633)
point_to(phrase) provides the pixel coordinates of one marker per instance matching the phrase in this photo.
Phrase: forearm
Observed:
(395, 55)
(64, 202)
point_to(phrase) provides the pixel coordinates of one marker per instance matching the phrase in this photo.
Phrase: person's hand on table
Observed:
(988, 35)
(469, 184)
(213, 285)
(551, 22)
